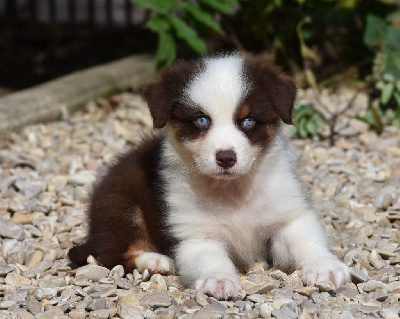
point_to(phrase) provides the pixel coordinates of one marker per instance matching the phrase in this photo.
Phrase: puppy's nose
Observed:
(226, 159)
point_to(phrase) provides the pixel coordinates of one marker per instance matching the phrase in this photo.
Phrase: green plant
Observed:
(176, 20)
(383, 35)
(307, 121)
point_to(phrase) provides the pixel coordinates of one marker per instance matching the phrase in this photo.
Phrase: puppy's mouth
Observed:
(226, 174)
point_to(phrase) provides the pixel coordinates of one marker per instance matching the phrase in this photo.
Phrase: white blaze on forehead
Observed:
(219, 87)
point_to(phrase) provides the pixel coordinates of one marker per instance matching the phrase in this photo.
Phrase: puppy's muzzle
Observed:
(226, 159)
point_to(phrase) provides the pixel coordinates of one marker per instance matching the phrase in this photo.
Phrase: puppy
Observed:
(215, 190)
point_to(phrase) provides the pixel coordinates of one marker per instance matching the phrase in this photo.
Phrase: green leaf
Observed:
(160, 6)
(396, 123)
(375, 31)
(201, 16)
(398, 85)
(302, 130)
(392, 63)
(166, 51)
(311, 128)
(396, 96)
(189, 35)
(386, 92)
(158, 23)
(302, 111)
(392, 37)
(220, 6)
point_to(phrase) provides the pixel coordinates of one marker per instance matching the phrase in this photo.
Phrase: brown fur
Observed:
(272, 92)
(182, 122)
(167, 89)
(131, 187)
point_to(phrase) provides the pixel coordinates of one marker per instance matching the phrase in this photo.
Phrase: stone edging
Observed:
(48, 101)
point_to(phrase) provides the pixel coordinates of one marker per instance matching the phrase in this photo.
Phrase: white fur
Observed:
(218, 90)
(218, 220)
(155, 263)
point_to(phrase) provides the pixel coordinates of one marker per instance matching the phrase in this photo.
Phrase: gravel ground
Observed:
(46, 173)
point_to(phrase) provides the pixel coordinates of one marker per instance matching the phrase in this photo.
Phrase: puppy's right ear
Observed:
(158, 102)
(168, 89)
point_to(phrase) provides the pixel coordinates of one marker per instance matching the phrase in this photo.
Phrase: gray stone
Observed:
(257, 298)
(51, 314)
(42, 266)
(99, 314)
(266, 310)
(376, 260)
(46, 293)
(17, 280)
(11, 230)
(97, 304)
(6, 304)
(108, 292)
(325, 286)
(123, 284)
(205, 314)
(33, 306)
(5, 269)
(390, 313)
(284, 313)
(117, 272)
(169, 313)
(126, 311)
(358, 275)
(156, 299)
(77, 314)
(277, 304)
(92, 272)
(24, 315)
(373, 285)
(252, 288)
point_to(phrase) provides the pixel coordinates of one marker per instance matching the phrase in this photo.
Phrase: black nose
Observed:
(226, 159)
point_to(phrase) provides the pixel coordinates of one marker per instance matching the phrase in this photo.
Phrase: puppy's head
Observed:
(223, 111)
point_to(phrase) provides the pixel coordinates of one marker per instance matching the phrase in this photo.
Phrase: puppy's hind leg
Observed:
(155, 263)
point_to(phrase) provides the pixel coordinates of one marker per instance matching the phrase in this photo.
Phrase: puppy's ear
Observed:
(168, 89)
(159, 103)
(283, 94)
(272, 86)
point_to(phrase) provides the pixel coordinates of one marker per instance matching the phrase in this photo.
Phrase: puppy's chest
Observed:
(221, 213)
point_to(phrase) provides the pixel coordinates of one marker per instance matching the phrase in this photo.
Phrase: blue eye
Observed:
(202, 121)
(248, 122)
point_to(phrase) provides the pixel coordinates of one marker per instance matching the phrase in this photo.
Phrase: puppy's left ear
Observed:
(283, 94)
(271, 86)
(168, 89)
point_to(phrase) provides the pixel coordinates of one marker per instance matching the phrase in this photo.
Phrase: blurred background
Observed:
(321, 43)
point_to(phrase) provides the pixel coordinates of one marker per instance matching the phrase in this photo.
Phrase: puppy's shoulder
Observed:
(136, 167)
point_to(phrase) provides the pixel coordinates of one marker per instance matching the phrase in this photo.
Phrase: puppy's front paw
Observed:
(220, 286)
(325, 269)
(155, 263)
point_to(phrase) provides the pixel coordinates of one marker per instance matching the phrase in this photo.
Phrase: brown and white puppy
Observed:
(215, 190)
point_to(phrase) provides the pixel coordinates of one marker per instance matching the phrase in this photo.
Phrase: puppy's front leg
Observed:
(302, 243)
(206, 263)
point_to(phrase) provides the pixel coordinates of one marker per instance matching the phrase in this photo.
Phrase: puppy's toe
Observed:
(155, 263)
(325, 269)
(220, 286)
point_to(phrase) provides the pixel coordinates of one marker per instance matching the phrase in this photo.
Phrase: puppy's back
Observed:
(126, 209)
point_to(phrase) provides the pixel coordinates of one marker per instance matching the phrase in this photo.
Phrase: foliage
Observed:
(318, 39)
(307, 121)
(174, 19)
